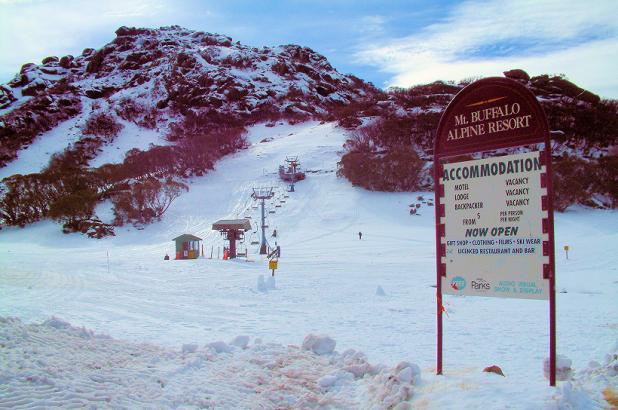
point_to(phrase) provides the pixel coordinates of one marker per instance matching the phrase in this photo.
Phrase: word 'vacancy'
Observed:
(489, 121)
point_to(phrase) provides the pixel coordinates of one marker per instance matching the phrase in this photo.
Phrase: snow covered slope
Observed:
(326, 283)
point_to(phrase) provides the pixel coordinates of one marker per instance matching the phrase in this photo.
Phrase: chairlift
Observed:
(277, 206)
(271, 212)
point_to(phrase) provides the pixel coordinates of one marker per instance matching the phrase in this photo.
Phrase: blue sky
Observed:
(388, 42)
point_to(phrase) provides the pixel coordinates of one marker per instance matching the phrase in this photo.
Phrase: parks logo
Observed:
(480, 285)
(458, 283)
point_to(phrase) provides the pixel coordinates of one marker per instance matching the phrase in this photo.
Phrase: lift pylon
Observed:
(262, 194)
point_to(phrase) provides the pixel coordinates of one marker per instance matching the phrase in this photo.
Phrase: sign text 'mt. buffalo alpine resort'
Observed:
(488, 121)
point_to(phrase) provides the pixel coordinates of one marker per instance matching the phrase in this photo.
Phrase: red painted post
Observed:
(552, 267)
(438, 266)
(232, 234)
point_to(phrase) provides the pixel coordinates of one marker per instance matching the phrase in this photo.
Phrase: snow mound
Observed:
(189, 348)
(593, 387)
(356, 364)
(60, 324)
(392, 389)
(563, 368)
(49, 365)
(240, 341)
(220, 347)
(271, 284)
(337, 377)
(261, 284)
(319, 344)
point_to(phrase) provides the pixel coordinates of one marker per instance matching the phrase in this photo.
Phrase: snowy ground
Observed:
(326, 284)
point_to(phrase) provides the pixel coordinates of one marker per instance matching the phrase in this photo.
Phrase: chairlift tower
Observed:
(263, 194)
(292, 164)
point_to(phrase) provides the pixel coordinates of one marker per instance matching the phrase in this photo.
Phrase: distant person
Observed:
(360, 236)
(166, 257)
(274, 233)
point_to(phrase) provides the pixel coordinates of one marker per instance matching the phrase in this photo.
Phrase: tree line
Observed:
(141, 188)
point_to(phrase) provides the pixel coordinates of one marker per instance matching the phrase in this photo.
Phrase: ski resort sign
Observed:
(494, 214)
(493, 219)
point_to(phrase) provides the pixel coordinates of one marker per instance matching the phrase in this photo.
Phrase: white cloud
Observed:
(579, 39)
(371, 25)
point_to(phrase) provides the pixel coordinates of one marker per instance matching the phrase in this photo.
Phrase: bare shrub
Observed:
(572, 181)
(145, 201)
(395, 170)
(131, 110)
(128, 109)
(102, 125)
(606, 178)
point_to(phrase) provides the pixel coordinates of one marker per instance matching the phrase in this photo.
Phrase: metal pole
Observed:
(263, 244)
(262, 194)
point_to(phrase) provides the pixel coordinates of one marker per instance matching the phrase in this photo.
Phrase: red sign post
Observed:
(494, 215)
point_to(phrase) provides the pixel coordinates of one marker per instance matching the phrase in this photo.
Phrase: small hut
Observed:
(187, 246)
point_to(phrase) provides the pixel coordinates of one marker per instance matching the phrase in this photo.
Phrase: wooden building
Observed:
(187, 246)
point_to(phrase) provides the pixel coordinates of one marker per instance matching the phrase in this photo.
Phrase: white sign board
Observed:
(493, 222)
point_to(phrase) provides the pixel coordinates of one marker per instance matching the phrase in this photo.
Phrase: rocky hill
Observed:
(198, 91)
(167, 73)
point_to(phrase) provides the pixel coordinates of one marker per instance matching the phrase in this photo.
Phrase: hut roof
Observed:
(226, 224)
(187, 237)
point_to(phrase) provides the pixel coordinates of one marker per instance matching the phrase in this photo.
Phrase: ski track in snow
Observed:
(326, 283)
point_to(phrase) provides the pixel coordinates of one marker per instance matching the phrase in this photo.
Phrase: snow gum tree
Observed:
(145, 201)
